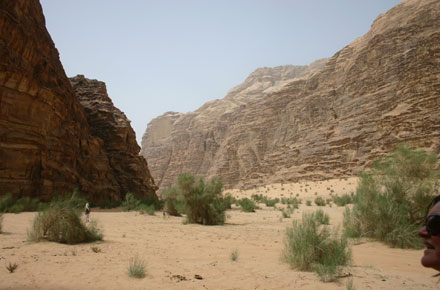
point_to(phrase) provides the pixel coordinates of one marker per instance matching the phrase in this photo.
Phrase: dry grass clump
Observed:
(137, 268)
(310, 246)
(63, 225)
(11, 267)
(234, 255)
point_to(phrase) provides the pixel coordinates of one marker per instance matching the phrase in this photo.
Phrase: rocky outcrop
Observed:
(46, 145)
(380, 90)
(112, 126)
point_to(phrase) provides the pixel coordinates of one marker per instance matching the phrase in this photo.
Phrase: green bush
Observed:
(63, 225)
(9, 204)
(143, 205)
(108, 203)
(391, 198)
(319, 201)
(310, 246)
(321, 217)
(203, 201)
(229, 200)
(291, 201)
(147, 209)
(342, 200)
(247, 205)
(308, 203)
(73, 200)
(174, 203)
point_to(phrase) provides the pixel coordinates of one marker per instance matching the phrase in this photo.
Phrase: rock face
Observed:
(382, 89)
(46, 145)
(112, 126)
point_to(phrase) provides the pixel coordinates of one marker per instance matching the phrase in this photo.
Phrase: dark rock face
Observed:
(46, 145)
(380, 90)
(112, 126)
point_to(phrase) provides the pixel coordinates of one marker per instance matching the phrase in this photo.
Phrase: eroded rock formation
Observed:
(382, 89)
(112, 126)
(46, 145)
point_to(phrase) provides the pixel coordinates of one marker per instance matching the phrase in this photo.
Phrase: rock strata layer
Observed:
(382, 89)
(46, 143)
(112, 126)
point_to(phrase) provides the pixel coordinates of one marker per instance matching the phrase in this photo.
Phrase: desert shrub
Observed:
(174, 203)
(106, 203)
(147, 209)
(308, 203)
(11, 267)
(130, 203)
(228, 201)
(73, 200)
(136, 268)
(391, 198)
(9, 204)
(286, 212)
(258, 198)
(309, 246)
(294, 202)
(63, 225)
(342, 200)
(6, 202)
(270, 202)
(234, 255)
(247, 205)
(319, 201)
(321, 217)
(203, 201)
(143, 205)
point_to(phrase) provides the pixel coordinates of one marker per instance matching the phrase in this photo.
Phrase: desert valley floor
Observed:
(192, 256)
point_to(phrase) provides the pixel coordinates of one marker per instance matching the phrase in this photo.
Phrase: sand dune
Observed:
(175, 253)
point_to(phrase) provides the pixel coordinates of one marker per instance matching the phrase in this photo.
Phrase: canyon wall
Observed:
(378, 91)
(46, 143)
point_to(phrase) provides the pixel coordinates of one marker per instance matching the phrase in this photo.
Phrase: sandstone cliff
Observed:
(46, 145)
(112, 126)
(380, 90)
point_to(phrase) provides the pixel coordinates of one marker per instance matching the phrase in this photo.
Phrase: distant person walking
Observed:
(87, 209)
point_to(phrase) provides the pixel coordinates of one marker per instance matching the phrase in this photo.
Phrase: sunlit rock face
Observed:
(331, 121)
(46, 143)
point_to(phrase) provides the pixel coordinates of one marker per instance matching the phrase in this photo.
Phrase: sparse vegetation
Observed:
(319, 201)
(308, 202)
(11, 205)
(63, 225)
(204, 203)
(136, 268)
(391, 198)
(342, 200)
(321, 217)
(143, 205)
(310, 246)
(247, 205)
(234, 255)
(11, 267)
(96, 249)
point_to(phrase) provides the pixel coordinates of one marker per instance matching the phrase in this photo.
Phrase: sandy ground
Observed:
(175, 253)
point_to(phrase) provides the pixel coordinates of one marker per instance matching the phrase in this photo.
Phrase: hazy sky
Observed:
(175, 55)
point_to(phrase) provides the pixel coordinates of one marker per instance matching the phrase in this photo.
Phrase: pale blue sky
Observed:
(175, 55)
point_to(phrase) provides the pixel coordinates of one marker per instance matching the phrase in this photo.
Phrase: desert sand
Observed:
(175, 253)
